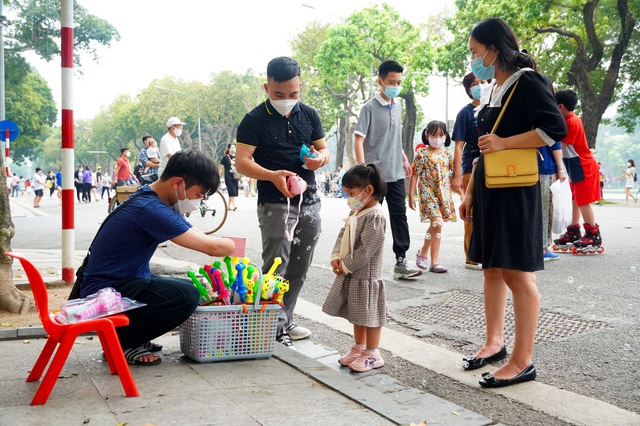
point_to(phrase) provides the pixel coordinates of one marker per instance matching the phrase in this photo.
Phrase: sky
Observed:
(192, 39)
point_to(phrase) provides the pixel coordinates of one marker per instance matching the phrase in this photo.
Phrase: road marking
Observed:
(565, 405)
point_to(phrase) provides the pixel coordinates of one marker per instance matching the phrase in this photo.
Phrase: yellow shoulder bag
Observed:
(510, 167)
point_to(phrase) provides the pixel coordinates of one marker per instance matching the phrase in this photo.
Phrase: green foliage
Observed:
(576, 43)
(36, 27)
(29, 103)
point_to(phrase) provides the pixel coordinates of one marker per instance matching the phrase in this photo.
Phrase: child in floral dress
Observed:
(431, 176)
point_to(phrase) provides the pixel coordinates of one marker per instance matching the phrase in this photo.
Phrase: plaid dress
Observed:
(360, 297)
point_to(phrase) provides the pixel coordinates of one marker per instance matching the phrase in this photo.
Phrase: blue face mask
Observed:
(392, 91)
(476, 92)
(481, 71)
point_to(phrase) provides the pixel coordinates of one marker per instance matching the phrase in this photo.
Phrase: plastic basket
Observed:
(222, 333)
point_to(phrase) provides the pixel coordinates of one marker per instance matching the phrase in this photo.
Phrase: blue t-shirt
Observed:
(466, 129)
(547, 164)
(124, 246)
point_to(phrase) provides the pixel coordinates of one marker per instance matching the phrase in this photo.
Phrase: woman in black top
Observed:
(228, 162)
(507, 222)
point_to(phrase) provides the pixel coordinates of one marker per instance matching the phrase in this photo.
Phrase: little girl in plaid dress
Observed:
(358, 292)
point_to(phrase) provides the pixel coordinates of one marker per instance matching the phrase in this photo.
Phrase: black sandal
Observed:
(133, 355)
(152, 347)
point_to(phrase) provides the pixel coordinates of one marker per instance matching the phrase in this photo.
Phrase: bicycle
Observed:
(210, 216)
(211, 213)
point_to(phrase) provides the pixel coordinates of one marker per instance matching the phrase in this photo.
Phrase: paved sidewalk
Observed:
(290, 388)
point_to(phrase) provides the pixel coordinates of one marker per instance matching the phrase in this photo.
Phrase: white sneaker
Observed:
(297, 332)
(473, 265)
(402, 270)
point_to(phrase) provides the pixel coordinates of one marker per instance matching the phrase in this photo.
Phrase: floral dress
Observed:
(434, 189)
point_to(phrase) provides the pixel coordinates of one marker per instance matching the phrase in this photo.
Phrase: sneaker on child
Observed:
(297, 332)
(549, 255)
(354, 353)
(367, 361)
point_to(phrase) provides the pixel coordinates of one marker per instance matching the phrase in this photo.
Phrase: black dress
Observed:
(232, 184)
(507, 222)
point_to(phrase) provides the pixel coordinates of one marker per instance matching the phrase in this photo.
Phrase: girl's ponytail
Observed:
(359, 176)
(377, 181)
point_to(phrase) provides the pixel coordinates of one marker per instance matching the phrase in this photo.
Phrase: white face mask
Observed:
(177, 131)
(283, 106)
(355, 203)
(436, 143)
(185, 206)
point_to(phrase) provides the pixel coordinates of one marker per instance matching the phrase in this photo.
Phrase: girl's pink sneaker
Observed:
(368, 360)
(354, 353)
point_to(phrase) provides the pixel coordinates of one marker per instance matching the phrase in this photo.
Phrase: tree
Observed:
(348, 61)
(588, 45)
(36, 27)
(30, 104)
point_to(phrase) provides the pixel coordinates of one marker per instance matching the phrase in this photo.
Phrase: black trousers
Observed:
(396, 202)
(170, 301)
(86, 192)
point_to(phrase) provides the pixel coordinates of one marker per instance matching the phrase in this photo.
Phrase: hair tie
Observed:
(524, 52)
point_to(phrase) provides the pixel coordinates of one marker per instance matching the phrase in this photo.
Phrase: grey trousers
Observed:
(296, 255)
(547, 209)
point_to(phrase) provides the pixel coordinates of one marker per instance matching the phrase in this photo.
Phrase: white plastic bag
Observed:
(562, 205)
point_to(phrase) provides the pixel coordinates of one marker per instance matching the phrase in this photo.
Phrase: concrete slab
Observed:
(251, 373)
(435, 410)
(313, 350)
(383, 383)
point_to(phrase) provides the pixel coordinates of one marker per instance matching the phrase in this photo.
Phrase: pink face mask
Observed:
(295, 185)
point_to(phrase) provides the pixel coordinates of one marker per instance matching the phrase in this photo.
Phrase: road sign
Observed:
(12, 127)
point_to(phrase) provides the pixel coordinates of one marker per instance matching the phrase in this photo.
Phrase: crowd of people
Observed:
(511, 106)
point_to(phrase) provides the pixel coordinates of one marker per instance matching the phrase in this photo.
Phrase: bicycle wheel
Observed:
(211, 214)
(113, 204)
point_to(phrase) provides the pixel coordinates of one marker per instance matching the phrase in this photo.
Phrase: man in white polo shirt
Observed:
(169, 144)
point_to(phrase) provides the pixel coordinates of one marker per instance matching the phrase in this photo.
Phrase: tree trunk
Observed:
(409, 124)
(11, 299)
(342, 140)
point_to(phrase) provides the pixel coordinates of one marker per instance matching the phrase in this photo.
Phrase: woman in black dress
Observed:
(507, 222)
(228, 162)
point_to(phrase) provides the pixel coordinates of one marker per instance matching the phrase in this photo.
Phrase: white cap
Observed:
(173, 121)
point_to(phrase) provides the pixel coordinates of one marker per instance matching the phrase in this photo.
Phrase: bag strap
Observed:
(504, 107)
(124, 203)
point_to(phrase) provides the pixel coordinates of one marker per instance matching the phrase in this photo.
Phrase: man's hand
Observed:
(279, 179)
(314, 163)
(456, 184)
(407, 166)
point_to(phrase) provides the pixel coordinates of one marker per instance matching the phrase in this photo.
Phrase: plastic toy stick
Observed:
(208, 284)
(276, 262)
(198, 285)
(254, 277)
(217, 265)
(206, 271)
(238, 285)
(231, 276)
(223, 291)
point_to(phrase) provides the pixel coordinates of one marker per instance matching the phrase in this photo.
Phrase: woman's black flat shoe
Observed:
(473, 363)
(488, 381)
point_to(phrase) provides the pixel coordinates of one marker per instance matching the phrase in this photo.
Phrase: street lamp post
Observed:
(198, 104)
